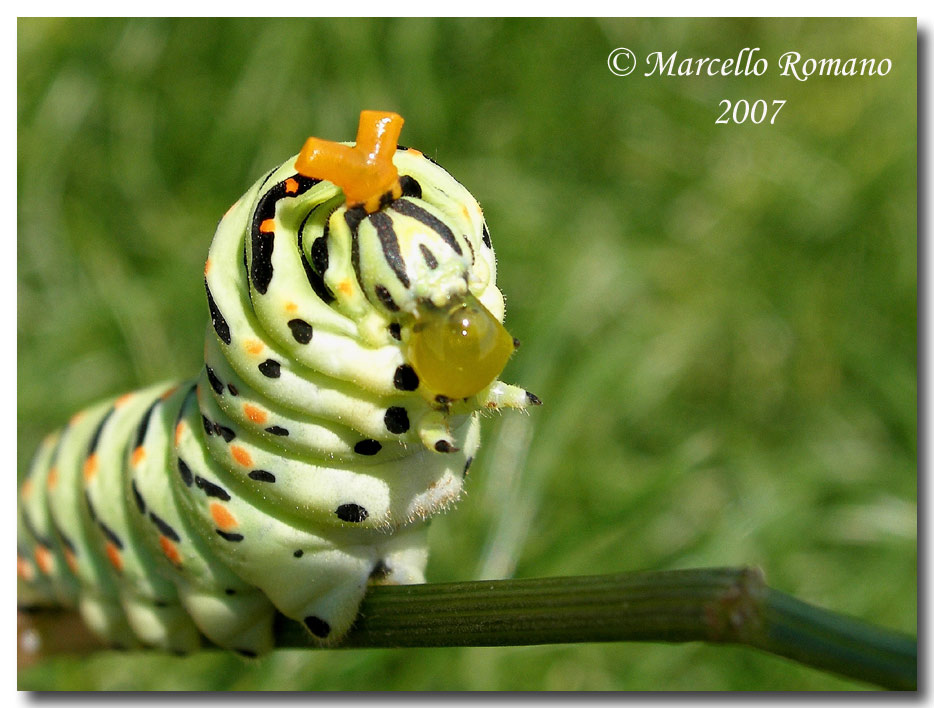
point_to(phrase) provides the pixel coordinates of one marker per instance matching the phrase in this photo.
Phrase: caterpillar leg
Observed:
(434, 429)
(402, 558)
(241, 621)
(503, 395)
(104, 615)
(167, 627)
(336, 581)
(311, 577)
(340, 579)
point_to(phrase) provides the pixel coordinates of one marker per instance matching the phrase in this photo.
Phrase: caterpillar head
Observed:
(420, 252)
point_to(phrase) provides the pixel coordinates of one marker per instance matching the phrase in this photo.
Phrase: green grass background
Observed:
(721, 320)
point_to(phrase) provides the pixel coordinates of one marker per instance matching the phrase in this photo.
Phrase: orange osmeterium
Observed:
(365, 171)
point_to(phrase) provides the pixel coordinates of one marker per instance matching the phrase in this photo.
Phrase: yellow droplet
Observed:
(460, 351)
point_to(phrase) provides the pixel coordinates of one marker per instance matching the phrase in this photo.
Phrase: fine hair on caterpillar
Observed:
(354, 335)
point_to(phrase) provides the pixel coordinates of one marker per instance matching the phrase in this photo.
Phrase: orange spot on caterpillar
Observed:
(291, 186)
(267, 226)
(364, 172)
(76, 417)
(71, 560)
(179, 429)
(345, 287)
(44, 559)
(170, 551)
(168, 393)
(123, 400)
(253, 346)
(24, 568)
(207, 266)
(241, 455)
(113, 555)
(222, 517)
(52, 479)
(254, 413)
(90, 467)
(139, 454)
(290, 307)
(26, 490)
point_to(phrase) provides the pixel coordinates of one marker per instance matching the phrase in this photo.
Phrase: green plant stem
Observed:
(720, 605)
(837, 643)
(726, 605)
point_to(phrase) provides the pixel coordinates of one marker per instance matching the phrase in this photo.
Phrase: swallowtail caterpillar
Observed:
(355, 334)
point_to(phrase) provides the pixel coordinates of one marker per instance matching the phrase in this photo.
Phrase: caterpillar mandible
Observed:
(355, 334)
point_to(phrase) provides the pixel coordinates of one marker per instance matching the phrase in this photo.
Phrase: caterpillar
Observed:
(355, 335)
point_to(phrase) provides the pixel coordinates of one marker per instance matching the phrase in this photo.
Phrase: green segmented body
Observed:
(302, 462)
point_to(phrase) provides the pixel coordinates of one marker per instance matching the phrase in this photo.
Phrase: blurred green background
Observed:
(721, 319)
